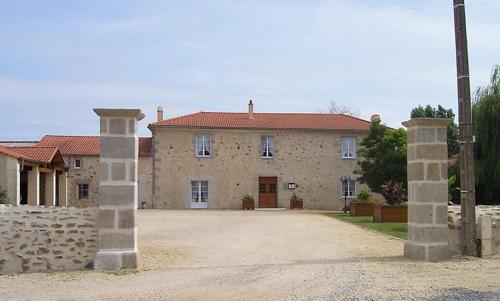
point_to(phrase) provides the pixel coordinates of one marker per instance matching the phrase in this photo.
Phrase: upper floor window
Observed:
(348, 147)
(78, 163)
(203, 145)
(267, 147)
(349, 188)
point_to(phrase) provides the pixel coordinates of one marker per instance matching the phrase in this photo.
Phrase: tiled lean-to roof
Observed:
(299, 121)
(42, 155)
(86, 145)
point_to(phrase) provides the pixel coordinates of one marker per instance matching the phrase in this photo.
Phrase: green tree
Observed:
(486, 116)
(440, 112)
(4, 196)
(384, 157)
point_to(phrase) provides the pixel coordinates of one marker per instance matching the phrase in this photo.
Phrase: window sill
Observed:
(267, 158)
(348, 158)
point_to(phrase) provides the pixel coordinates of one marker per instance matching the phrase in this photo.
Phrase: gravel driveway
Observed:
(264, 255)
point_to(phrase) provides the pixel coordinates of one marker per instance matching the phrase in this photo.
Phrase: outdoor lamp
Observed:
(345, 181)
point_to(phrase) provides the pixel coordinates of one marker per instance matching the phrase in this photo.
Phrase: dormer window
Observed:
(78, 164)
(267, 147)
(203, 145)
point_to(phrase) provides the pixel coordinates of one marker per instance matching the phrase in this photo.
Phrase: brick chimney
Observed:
(250, 110)
(375, 118)
(159, 114)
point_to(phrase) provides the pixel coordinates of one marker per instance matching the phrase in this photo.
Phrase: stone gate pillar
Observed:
(118, 189)
(427, 189)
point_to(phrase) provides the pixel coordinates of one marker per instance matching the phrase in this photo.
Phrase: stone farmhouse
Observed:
(201, 160)
(210, 159)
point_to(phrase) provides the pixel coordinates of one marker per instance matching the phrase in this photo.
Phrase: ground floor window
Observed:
(82, 191)
(349, 188)
(199, 191)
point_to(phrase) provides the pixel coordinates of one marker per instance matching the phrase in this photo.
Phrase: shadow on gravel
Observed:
(459, 294)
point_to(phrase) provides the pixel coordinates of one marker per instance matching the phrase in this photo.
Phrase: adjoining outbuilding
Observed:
(34, 175)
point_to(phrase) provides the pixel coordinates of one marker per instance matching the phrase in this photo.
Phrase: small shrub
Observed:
(364, 195)
(394, 192)
(247, 198)
(295, 198)
(4, 196)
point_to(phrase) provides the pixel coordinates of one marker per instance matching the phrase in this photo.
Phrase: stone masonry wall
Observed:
(311, 159)
(454, 226)
(89, 173)
(34, 239)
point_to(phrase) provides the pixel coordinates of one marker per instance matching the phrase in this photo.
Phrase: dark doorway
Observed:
(24, 186)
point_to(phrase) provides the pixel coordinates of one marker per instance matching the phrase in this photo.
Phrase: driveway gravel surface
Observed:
(264, 255)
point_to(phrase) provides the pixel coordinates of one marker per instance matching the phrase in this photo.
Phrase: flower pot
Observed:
(297, 205)
(383, 213)
(359, 208)
(247, 205)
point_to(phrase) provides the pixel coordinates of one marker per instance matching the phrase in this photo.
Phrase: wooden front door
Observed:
(268, 192)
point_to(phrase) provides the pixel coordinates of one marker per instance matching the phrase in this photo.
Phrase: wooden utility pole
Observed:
(467, 182)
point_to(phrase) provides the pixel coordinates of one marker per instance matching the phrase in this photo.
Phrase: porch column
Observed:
(63, 189)
(34, 186)
(427, 190)
(50, 188)
(118, 189)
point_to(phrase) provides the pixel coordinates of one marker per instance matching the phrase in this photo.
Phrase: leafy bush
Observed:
(295, 198)
(247, 198)
(364, 195)
(394, 192)
(4, 196)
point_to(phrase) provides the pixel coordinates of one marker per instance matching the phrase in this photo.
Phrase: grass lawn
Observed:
(399, 230)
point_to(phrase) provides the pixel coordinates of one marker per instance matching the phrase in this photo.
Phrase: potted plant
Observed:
(296, 202)
(395, 209)
(247, 202)
(363, 206)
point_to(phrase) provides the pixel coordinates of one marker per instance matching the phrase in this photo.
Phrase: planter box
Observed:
(361, 208)
(247, 205)
(390, 214)
(297, 205)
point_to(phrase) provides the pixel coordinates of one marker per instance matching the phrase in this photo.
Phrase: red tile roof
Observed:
(86, 146)
(41, 154)
(44, 155)
(300, 121)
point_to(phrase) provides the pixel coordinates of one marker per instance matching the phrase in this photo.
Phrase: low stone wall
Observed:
(34, 239)
(454, 225)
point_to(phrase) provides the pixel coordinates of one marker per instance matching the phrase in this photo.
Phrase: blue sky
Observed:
(60, 59)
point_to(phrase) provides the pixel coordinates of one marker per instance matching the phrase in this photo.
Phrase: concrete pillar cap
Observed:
(133, 113)
(427, 122)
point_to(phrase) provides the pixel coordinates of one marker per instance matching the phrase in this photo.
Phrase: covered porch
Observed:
(34, 176)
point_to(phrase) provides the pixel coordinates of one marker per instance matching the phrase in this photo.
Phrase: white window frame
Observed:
(78, 191)
(267, 149)
(349, 143)
(75, 166)
(200, 194)
(206, 145)
(351, 188)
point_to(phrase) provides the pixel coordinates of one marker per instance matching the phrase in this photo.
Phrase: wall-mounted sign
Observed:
(292, 186)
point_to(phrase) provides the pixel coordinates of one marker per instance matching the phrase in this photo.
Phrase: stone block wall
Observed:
(454, 227)
(35, 239)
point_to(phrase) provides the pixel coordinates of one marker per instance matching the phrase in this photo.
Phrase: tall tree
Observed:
(440, 112)
(384, 157)
(334, 108)
(486, 114)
